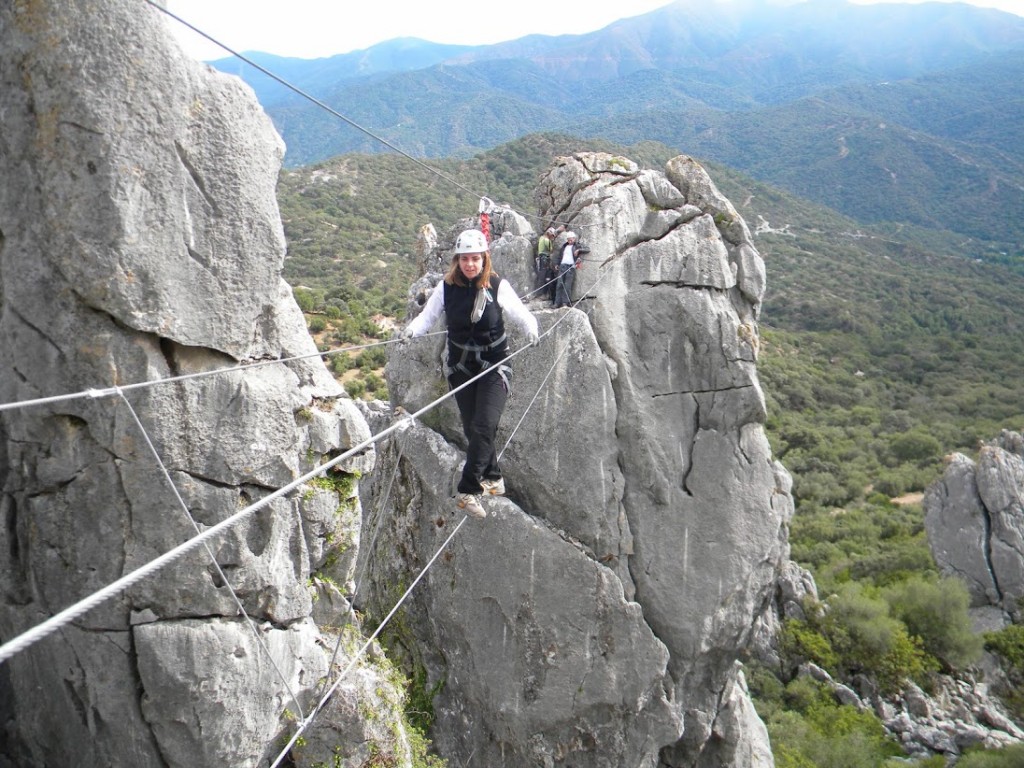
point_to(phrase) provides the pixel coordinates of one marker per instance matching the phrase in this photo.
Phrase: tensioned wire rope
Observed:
(402, 425)
(96, 393)
(69, 614)
(213, 558)
(294, 88)
(40, 631)
(55, 622)
(64, 617)
(405, 422)
(117, 390)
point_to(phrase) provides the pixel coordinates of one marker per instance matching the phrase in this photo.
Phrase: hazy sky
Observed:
(315, 28)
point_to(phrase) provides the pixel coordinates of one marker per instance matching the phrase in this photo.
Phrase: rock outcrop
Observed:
(956, 716)
(974, 517)
(140, 240)
(957, 713)
(597, 615)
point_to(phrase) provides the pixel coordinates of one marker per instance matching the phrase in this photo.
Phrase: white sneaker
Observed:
(470, 504)
(494, 487)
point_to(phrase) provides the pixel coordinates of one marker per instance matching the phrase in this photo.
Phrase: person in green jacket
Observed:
(542, 264)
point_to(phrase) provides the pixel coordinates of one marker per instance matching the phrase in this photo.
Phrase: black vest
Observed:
(474, 346)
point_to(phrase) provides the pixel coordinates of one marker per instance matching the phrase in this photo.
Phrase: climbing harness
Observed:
(470, 355)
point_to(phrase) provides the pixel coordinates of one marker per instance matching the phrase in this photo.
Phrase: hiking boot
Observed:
(493, 487)
(470, 504)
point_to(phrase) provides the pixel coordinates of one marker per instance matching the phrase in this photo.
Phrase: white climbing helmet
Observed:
(471, 241)
(570, 235)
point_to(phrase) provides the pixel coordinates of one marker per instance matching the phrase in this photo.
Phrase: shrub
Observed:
(800, 642)
(935, 610)
(867, 639)
(895, 562)
(820, 733)
(306, 299)
(372, 358)
(1008, 757)
(915, 446)
(340, 363)
(1009, 644)
(374, 384)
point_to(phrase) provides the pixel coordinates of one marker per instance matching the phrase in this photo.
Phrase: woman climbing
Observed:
(473, 299)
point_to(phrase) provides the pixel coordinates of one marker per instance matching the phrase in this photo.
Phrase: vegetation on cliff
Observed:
(882, 352)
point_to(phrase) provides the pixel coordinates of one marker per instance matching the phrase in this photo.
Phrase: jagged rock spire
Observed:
(646, 520)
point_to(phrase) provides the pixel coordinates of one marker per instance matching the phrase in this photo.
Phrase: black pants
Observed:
(541, 276)
(481, 405)
(563, 291)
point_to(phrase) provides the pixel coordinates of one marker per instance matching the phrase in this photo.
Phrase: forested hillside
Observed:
(880, 354)
(941, 153)
(895, 115)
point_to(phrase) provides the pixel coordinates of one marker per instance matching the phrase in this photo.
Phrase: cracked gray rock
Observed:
(642, 463)
(974, 517)
(140, 240)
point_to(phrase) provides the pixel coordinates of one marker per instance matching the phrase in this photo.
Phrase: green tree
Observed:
(1007, 757)
(915, 446)
(935, 610)
(868, 639)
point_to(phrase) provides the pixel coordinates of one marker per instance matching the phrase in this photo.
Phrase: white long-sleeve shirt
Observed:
(507, 300)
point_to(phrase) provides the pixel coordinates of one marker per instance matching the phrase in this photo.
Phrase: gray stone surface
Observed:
(974, 517)
(232, 693)
(643, 446)
(139, 240)
(539, 651)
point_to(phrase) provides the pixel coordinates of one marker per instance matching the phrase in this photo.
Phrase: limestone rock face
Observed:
(538, 649)
(974, 517)
(140, 240)
(639, 441)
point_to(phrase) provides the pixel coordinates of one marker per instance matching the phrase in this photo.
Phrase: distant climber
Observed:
(542, 264)
(473, 299)
(570, 258)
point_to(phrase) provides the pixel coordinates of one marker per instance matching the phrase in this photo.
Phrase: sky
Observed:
(312, 29)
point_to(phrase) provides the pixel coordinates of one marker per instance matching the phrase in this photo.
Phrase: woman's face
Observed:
(471, 264)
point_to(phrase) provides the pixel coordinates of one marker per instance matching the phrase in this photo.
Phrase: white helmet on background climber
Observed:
(570, 235)
(471, 241)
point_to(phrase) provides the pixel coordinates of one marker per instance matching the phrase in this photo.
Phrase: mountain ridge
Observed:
(904, 110)
(714, 39)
